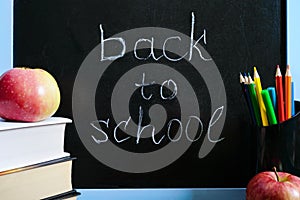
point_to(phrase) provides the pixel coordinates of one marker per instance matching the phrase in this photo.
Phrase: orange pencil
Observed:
(279, 91)
(288, 93)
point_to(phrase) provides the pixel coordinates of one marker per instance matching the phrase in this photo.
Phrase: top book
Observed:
(23, 143)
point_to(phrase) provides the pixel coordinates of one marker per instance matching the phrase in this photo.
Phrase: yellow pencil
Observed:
(261, 104)
(288, 93)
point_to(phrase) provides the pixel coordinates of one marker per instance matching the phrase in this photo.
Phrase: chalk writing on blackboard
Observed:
(192, 46)
(218, 113)
(166, 82)
(150, 103)
(215, 117)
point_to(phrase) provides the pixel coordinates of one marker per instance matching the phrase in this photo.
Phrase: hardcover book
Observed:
(38, 181)
(23, 143)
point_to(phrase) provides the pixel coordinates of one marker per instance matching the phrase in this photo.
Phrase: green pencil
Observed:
(269, 107)
(254, 101)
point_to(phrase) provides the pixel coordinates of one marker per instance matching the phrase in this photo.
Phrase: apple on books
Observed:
(33, 163)
(273, 185)
(28, 100)
(28, 95)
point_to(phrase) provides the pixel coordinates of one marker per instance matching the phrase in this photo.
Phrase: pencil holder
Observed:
(279, 145)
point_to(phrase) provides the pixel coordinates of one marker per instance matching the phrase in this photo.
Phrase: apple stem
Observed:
(277, 176)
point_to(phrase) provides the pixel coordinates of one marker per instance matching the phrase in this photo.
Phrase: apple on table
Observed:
(28, 95)
(273, 185)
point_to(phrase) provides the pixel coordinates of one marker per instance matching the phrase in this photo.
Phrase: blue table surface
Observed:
(163, 194)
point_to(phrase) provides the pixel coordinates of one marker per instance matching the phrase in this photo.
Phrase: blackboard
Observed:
(152, 86)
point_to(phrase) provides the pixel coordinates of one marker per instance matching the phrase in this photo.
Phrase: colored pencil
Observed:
(254, 101)
(269, 107)
(272, 94)
(288, 93)
(262, 107)
(247, 97)
(246, 78)
(279, 92)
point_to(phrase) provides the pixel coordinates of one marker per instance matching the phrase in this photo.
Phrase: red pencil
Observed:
(279, 91)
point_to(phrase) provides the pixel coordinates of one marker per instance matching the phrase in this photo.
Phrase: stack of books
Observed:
(33, 164)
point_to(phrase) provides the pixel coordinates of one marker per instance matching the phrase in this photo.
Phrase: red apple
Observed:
(273, 185)
(28, 95)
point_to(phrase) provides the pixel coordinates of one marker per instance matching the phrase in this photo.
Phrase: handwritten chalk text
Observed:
(150, 41)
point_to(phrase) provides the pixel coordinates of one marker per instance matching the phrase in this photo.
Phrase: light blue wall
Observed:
(294, 43)
(293, 39)
(5, 35)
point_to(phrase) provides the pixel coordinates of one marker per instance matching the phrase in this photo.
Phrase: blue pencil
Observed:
(272, 93)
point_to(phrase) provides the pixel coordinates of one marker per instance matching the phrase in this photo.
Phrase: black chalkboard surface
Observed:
(153, 87)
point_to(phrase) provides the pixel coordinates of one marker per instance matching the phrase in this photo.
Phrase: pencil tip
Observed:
(277, 68)
(288, 71)
(278, 72)
(242, 80)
